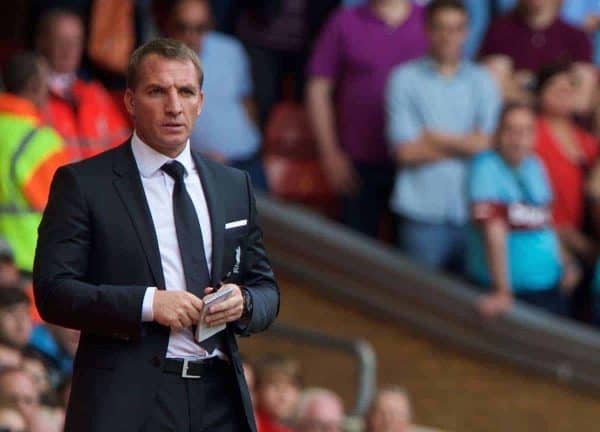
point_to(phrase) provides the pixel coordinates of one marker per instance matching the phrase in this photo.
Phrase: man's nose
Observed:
(173, 106)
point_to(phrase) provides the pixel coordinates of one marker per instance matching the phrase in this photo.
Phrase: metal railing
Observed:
(359, 349)
(349, 267)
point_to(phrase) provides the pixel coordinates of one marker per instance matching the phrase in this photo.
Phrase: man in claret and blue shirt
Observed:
(512, 247)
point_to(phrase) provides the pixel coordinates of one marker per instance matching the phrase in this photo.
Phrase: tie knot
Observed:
(175, 170)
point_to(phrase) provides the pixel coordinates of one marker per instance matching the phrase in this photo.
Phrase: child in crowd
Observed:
(278, 386)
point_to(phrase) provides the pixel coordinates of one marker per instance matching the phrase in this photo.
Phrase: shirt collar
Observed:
(149, 161)
(430, 65)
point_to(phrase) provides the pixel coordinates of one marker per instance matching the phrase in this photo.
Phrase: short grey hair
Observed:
(393, 389)
(312, 395)
(163, 47)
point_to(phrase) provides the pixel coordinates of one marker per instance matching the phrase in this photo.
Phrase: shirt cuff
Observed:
(147, 312)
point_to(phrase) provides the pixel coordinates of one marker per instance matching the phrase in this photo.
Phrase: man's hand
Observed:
(339, 171)
(227, 311)
(492, 305)
(176, 309)
(462, 144)
(572, 275)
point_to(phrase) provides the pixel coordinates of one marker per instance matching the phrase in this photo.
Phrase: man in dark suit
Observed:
(130, 242)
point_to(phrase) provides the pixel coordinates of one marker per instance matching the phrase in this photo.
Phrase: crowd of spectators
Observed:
(412, 109)
(283, 404)
(466, 132)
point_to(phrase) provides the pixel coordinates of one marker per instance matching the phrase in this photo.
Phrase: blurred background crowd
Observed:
(464, 133)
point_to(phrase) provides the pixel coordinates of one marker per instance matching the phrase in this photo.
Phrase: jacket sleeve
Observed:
(61, 262)
(259, 278)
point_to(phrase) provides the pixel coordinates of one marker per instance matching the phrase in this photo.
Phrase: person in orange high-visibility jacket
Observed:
(30, 153)
(82, 112)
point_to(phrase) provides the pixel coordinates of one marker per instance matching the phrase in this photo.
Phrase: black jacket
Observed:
(97, 253)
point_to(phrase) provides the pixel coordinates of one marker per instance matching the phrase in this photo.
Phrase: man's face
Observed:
(189, 23)
(18, 390)
(557, 95)
(10, 357)
(15, 325)
(38, 374)
(391, 413)
(63, 46)
(165, 103)
(12, 420)
(279, 397)
(323, 416)
(516, 136)
(447, 33)
(9, 273)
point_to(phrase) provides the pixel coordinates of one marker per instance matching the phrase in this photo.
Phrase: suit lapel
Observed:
(129, 186)
(217, 215)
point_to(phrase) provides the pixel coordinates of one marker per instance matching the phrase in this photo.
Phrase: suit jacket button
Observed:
(156, 361)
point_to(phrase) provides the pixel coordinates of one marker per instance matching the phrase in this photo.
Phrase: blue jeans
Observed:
(364, 211)
(551, 300)
(437, 246)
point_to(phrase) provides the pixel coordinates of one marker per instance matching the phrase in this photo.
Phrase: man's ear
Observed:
(129, 102)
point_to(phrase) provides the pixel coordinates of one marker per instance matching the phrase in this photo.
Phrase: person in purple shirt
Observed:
(347, 73)
(533, 35)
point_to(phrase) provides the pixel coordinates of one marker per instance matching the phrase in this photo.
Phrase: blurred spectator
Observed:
(226, 130)
(9, 273)
(585, 14)
(568, 153)
(519, 44)
(29, 154)
(278, 35)
(534, 35)
(250, 376)
(18, 390)
(35, 365)
(63, 391)
(479, 17)
(441, 110)
(278, 385)
(389, 411)
(10, 357)
(514, 250)
(10, 277)
(11, 420)
(15, 322)
(82, 112)
(57, 344)
(347, 74)
(320, 410)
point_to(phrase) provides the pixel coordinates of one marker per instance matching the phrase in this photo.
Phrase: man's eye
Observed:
(155, 91)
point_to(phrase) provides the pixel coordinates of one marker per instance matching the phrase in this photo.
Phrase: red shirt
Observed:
(264, 423)
(566, 176)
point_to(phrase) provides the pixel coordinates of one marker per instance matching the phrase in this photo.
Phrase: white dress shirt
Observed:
(158, 187)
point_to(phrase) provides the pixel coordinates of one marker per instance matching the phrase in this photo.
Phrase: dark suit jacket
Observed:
(97, 253)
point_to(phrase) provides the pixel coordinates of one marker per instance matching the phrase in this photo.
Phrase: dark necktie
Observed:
(189, 237)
